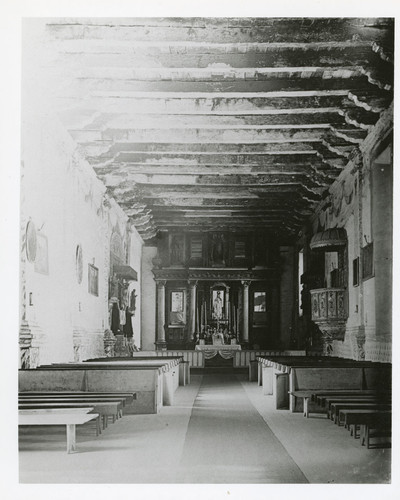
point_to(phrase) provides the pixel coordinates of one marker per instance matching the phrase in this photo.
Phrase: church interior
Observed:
(206, 250)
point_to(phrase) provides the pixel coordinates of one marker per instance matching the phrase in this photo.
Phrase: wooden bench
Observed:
(320, 396)
(105, 409)
(365, 417)
(129, 397)
(352, 405)
(69, 419)
(146, 382)
(71, 398)
(358, 398)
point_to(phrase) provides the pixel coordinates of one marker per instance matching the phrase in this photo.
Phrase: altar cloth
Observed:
(225, 351)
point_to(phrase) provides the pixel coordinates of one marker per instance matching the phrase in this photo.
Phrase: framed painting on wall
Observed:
(177, 308)
(42, 256)
(93, 280)
(259, 308)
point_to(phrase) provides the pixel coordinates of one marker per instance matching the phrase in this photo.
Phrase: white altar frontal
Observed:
(226, 351)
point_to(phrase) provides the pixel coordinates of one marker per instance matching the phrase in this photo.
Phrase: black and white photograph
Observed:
(203, 254)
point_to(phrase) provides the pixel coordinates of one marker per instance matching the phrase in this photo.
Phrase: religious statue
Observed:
(133, 302)
(217, 306)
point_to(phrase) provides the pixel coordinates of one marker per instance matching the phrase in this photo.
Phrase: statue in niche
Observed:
(217, 305)
(218, 248)
(176, 250)
(133, 302)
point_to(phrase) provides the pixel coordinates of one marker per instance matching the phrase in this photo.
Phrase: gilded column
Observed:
(245, 337)
(160, 342)
(192, 316)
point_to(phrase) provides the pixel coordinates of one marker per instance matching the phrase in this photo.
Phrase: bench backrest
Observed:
(55, 380)
(378, 377)
(326, 378)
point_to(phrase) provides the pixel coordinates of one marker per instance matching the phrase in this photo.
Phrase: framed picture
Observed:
(260, 302)
(78, 264)
(177, 312)
(93, 280)
(356, 271)
(259, 309)
(31, 241)
(42, 256)
(367, 254)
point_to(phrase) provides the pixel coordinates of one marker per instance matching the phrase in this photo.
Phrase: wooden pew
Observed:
(168, 366)
(69, 419)
(365, 417)
(129, 397)
(320, 396)
(106, 408)
(72, 398)
(305, 374)
(304, 381)
(145, 381)
(352, 405)
(358, 398)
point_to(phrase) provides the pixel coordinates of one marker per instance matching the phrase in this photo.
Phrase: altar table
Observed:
(225, 351)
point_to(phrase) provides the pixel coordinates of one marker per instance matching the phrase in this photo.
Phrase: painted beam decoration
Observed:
(209, 123)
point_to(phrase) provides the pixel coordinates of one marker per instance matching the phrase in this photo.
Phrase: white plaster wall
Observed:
(362, 298)
(61, 194)
(148, 299)
(51, 199)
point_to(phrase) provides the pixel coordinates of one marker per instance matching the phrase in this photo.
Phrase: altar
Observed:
(226, 351)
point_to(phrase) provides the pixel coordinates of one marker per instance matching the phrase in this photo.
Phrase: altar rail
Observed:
(241, 359)
(194, 358)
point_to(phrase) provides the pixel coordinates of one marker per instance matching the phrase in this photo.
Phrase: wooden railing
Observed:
(241, 359)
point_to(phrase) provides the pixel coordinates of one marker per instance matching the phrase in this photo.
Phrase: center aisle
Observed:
(227, 440)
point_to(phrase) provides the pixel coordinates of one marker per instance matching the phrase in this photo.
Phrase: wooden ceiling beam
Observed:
(238, 135)
(276, 82)
(203, 55)
(124, 121)
(204, 103)
(218, 74)
(225, 30)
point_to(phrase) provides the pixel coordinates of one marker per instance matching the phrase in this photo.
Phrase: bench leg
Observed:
(71, 438)
(305, 406)
(362, 435)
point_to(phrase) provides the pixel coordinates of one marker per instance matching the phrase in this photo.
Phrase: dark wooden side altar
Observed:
(217, 284)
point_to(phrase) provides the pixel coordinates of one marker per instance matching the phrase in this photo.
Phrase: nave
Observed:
(221, 429)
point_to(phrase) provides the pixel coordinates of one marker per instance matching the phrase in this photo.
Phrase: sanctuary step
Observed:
(219, 369)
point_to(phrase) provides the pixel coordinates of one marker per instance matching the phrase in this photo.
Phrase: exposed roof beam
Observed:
(226, 30)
